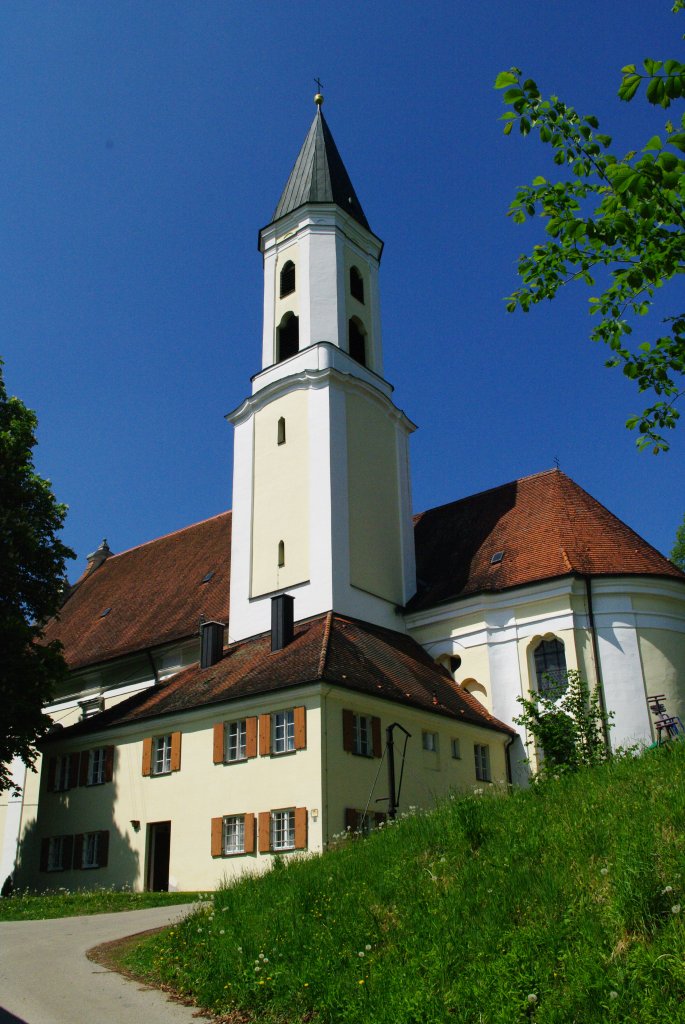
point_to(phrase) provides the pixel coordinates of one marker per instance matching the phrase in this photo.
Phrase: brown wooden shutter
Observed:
(251, 737)
(218, 744)
(249, 833)
(264, 831)
(348, 730)
(147, 755)
(109, 764)
(217, 837)
(265, 735)
(78, 852)
(103, 849)
(351, 818)
(175, 751)
(300, 828)
(83, 768)
(376, 737)
(300, 715)
(52, 773)
(68, 853)
(44, 854)
(73, 770)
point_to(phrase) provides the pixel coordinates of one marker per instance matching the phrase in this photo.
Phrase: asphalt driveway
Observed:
(45, 977)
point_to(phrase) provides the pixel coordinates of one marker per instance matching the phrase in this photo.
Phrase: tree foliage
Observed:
(678, 549)
(615, 221)
(566, 723)
(32, 580)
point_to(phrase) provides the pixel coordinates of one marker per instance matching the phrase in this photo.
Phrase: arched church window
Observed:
(281, 554)
(357, 340)
(288, 279)
(356, 285)
(288, 337)
(550, 665)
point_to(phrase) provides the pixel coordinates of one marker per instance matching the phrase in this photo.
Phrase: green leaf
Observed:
(508, 126)
(653, 144)
(539, 180)
(504, 79)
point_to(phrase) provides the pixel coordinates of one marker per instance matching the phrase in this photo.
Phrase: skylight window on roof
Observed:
(105, 613)
(207, 577)
(497, 558)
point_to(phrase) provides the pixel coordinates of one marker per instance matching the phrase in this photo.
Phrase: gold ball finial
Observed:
(318, 99)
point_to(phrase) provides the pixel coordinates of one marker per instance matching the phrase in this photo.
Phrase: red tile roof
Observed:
(153, 592)
(545, 526)
(356, 656)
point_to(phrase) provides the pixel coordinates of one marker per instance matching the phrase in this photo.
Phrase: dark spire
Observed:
(319, 175)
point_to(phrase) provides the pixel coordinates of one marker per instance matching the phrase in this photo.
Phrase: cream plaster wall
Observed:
(374, 506)
(189, 798)
(281, 495)
(355, 781)
(663, 657)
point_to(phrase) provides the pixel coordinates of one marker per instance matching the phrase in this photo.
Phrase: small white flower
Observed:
(532, 998)
(266, 959)
(604, 871)
(257, 969)
(360, 953)
(613, 995)
(261, 956)
(367, 947)
(240, 949)
(221, 932)
(669, 888)
(675, 909)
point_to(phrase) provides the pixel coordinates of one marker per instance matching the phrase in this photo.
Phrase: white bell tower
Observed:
(321, 489)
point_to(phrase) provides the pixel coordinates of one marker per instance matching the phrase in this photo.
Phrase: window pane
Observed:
(161, 761)
(283, 830)
(283, 724)
(234, 834)
(236, 741)
(550, 665)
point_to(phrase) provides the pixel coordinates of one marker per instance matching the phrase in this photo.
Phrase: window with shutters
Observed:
(234, 834)
(56, 859)
(287, 279)
(481, 753)
(283, 830)
(96, 766)
(430, 741)
(283, 731)
(91, 850)
(64, 773)
(235, 741)
(363, 739)
(161, 755)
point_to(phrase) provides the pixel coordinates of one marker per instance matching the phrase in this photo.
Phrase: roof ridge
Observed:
(325, 642)
(488, 490)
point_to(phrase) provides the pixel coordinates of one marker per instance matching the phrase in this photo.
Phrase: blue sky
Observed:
(144, 145)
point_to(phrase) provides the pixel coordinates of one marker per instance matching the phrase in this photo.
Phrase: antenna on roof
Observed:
(556, 462)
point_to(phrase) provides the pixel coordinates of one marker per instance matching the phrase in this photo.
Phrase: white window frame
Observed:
(233, 834)
(161, 755)
(235, 740)
(90, 857)
(481, 753)
(96, 766)
(56, 853)
(283, 830)
(362, 735)
(455, 748)
(283, 731)
(429, 741)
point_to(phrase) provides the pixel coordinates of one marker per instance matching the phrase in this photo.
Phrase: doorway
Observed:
(158, 850)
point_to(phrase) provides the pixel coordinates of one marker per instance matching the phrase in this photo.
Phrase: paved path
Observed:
(45, 977)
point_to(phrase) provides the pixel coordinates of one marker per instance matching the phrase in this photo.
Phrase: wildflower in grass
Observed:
(266, 959)
(257, 970)
(261, 956)
(306, 984)
(221, 932)
(360, 953)
(367, 947)
(532, 999)
(613, 995)
(669, 888)
(604, 871)
(361, 981)
(675, 909)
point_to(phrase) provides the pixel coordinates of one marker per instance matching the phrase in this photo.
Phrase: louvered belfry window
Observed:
(288, 279)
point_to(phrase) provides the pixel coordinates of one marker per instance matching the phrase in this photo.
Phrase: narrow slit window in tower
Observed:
(281, 430)
(288, 279)
(357, 341)
(356, 285)
(281, 554)
(288, 337)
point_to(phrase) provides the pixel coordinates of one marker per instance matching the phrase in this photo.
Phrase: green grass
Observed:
(557, 905)
(32, 906)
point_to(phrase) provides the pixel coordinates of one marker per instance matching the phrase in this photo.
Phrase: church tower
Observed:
(321, 489)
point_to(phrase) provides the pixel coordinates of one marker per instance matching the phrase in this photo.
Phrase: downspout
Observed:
(507, 759)
(598, 666)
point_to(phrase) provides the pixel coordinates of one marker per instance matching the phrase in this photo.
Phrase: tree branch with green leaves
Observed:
(614, 224)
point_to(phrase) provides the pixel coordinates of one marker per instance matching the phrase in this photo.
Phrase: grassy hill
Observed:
(564, 903)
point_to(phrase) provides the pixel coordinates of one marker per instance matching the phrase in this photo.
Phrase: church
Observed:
(319, 657)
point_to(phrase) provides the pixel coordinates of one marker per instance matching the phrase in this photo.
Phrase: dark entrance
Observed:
(158, 847)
